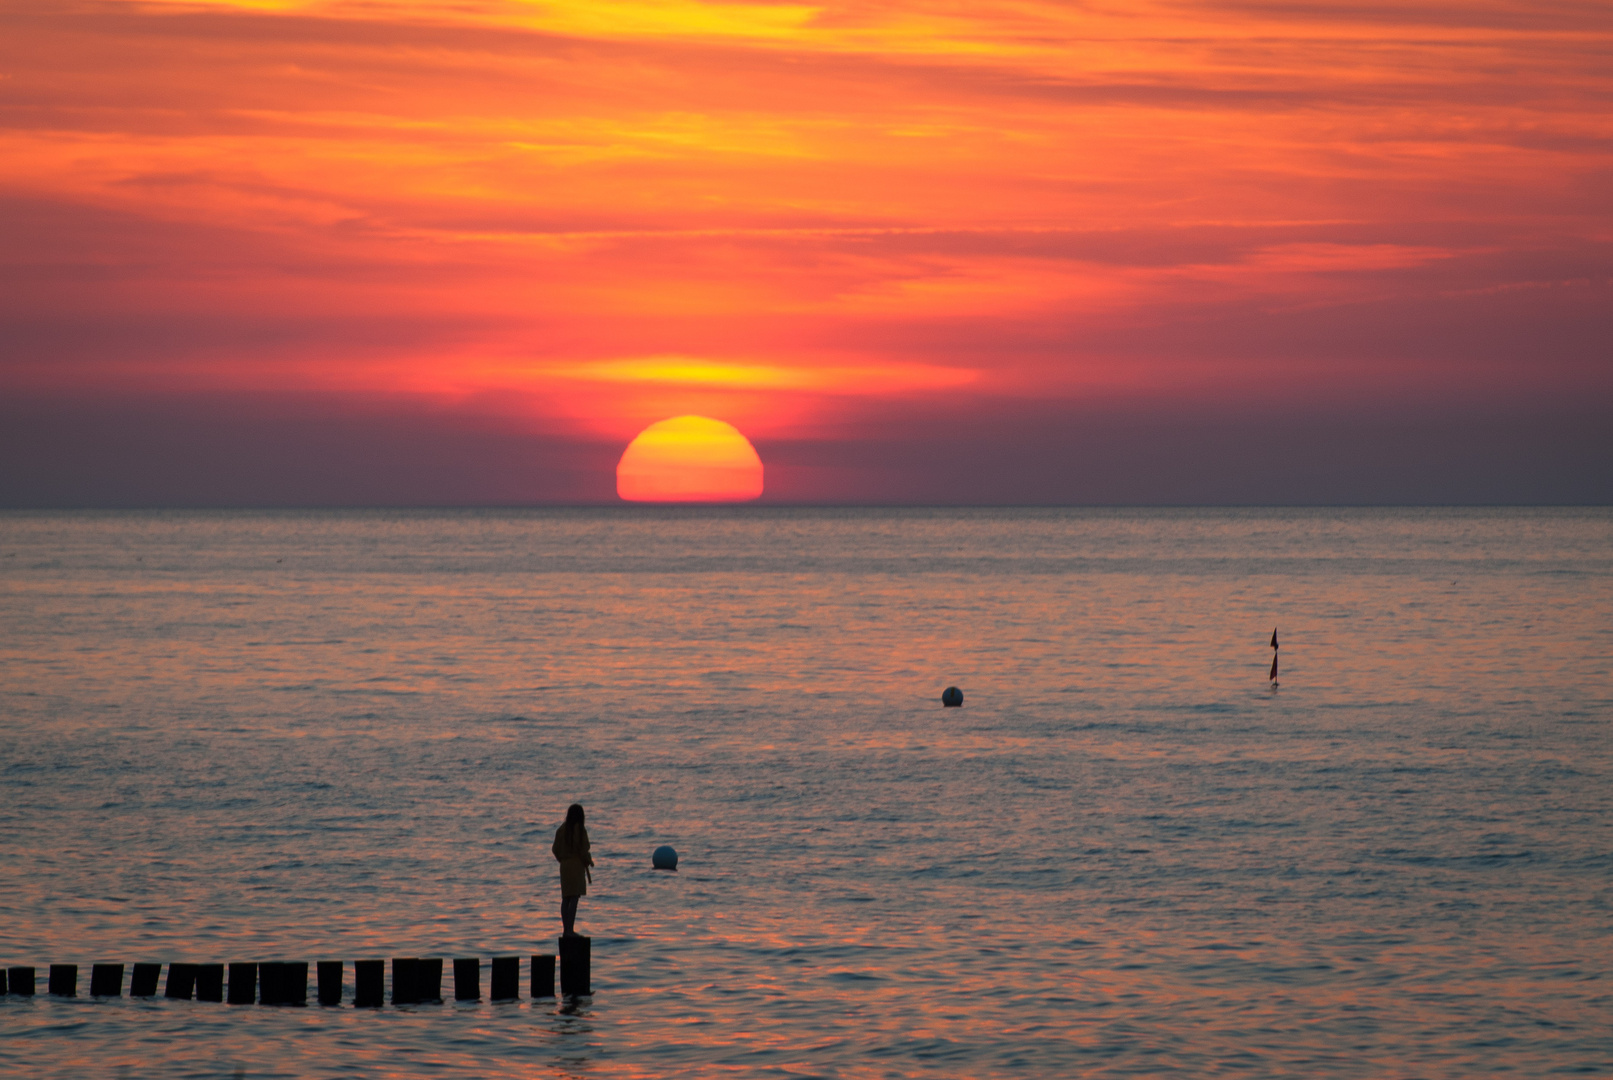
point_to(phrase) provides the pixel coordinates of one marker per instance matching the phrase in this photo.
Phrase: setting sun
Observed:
(689, 459)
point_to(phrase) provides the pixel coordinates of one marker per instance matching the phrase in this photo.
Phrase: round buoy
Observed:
(952, 697)
(665, 857)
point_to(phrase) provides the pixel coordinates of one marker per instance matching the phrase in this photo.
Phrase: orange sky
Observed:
(578, 218)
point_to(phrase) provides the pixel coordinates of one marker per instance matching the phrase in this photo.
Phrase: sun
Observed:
(689, 459)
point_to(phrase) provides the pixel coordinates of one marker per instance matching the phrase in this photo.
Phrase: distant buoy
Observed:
(952, 697)
(665, 857)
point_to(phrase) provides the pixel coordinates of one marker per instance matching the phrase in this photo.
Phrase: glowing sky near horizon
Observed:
(591, 216)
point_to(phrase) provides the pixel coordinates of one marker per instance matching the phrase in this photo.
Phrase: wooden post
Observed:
(20, 980)
(243, 984)
(506, 978)
(209, 982)
(143, 981)
(106, 980)
(369, 984)
(330, 982)
(575, 964)
(181, 981)
(269, 983)
(542, 976)
(2, 980)
(468, 979)
(64, 980)
(283, 983)
(428, 981)
(403, 977)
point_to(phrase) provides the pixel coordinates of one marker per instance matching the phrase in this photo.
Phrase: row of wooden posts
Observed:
(415, 980)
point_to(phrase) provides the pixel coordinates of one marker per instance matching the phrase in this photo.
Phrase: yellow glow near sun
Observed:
(696, 371)
(691, 371)
(689, 459)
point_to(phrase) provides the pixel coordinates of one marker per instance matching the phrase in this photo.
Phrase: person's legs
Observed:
(568, 912)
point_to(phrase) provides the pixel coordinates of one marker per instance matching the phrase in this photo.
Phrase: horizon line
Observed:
(753, 505)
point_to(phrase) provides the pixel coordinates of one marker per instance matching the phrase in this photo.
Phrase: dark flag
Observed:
(1273, 667)
(1274, 639)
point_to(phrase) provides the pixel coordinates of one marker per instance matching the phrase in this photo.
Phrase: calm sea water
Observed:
(304, 736)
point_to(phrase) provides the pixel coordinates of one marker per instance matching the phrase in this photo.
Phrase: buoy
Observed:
(952, 697)
(665, 858)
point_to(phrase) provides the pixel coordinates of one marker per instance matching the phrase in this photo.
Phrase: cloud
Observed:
(587, 218)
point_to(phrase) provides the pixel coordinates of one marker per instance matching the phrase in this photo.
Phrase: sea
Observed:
(332, 735)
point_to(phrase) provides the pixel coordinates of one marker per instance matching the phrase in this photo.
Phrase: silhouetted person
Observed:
(571, 848)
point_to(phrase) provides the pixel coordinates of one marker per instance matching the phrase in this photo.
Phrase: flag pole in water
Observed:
(1274, 657)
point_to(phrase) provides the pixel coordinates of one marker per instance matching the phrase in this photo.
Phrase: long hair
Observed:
(573, 828)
